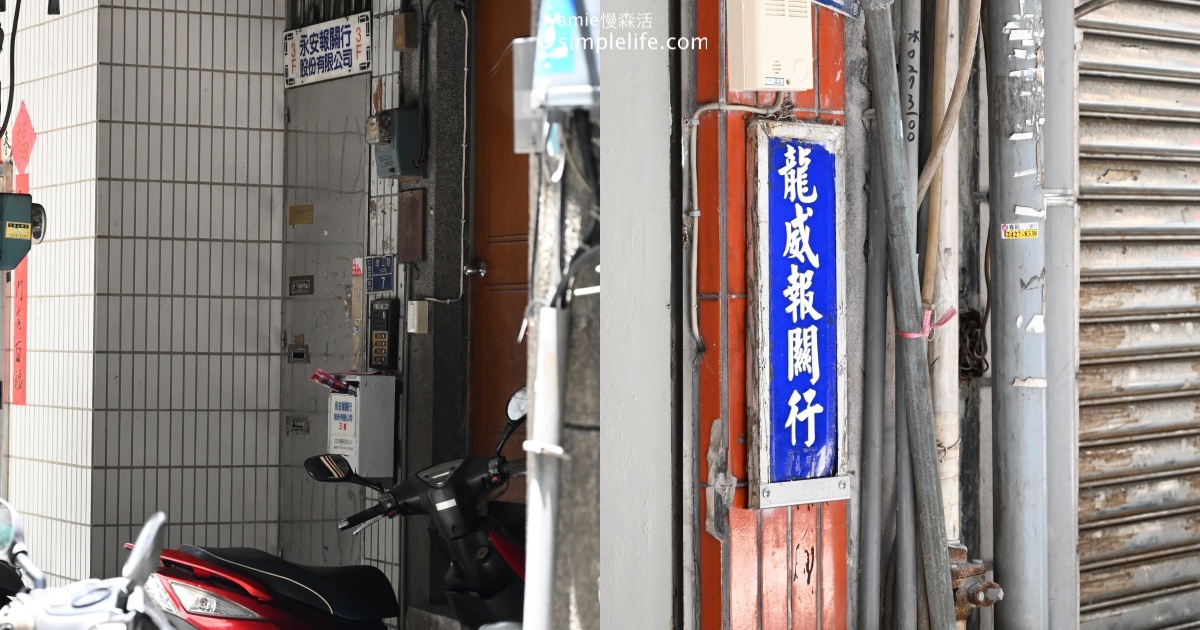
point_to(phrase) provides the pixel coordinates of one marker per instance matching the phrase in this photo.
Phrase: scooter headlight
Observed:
(199, 601)
(158, 594)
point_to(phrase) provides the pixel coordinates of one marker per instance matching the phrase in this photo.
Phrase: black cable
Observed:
(12, 68)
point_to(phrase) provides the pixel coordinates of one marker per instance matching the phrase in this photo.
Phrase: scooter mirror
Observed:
(518, 405)
(147, 549)
(329, 468)
(8, 527)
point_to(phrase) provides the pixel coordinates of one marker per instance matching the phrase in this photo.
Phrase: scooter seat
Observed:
(360, 593)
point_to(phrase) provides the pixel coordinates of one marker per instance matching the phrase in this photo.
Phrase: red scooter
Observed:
(230, 589)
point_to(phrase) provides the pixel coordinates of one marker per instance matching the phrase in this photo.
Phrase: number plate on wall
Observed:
(797, 332)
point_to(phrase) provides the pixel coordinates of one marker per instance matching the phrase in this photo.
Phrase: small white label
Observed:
(445, 505)
(774, 81)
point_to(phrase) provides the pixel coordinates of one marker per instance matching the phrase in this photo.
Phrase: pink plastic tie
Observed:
(927, 328)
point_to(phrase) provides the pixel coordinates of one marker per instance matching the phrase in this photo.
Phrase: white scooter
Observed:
(113, 604)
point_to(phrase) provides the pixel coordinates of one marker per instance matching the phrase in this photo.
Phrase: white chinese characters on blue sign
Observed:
(802, 310)
(328, 50)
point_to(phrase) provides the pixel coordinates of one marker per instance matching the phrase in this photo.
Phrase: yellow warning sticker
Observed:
(1018, 230)
(12, 229)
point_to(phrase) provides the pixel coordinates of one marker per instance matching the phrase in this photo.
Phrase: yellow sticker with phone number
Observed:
(1018, 230)
(12, 229)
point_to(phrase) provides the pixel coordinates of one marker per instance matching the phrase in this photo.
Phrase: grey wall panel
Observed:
(1139, 459)
(327, 168)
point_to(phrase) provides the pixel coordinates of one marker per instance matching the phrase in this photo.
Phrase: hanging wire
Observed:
(12, 69)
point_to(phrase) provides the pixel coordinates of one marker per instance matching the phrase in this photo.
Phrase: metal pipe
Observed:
(692, 127)
(906, 539)
(939, 288)
(941, 47)
(1018, 298)
(911, 352)
(910, 84)
(871, 523)
(545, 461)
(1062, 313)
(942, 138)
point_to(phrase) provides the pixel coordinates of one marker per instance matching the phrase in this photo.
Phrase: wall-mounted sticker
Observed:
(799, 345)
(14, 229)
(343, 427)
(22, 139)
(1018, 230)
(380, 274)
(301, 215)
(329, 50)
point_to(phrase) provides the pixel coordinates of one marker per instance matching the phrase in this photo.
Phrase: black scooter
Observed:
(486, 580)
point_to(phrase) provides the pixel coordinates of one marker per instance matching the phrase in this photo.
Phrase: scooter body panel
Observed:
(275, 613)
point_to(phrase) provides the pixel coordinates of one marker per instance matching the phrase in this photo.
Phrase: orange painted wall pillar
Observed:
(775, 568)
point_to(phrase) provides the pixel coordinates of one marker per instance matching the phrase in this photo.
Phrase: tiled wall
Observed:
(189, 250)
(776, 568)
(154, 308)
(50, 437)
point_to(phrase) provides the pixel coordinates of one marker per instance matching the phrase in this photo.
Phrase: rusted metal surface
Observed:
(1107, 56)
(1143, 381)
(1122, 98)
(1139, 344)
(1146, 20)
(971, 587)
(1112, 542)
(1138, 301)
(1122, 340)
(1168, 609)
(1116, 422)
(1130, 220)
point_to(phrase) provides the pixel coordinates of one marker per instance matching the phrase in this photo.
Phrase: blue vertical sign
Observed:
(801, 301)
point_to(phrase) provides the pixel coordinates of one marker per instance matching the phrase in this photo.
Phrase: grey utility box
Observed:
(363, 427)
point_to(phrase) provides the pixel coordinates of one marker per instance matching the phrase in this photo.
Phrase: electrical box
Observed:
(417, 319)
(16, 223)
(383, 329)
(395, 137)
(404, 31)
(527, 119)
(770, 45)
(362, 427)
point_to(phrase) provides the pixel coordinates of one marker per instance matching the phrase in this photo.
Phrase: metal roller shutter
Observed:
(1139, 398)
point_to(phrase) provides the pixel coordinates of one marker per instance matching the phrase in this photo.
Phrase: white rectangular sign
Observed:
(329, 50)
(343, 427)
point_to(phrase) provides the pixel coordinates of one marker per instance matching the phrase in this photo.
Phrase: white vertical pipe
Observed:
(544, 467)
(944, 347)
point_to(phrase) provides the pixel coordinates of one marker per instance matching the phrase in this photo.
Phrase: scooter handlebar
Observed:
(379, 509)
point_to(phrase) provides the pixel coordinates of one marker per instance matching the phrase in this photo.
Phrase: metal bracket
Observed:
(544, 448)
(801, 492)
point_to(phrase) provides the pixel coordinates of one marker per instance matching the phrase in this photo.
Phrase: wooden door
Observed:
(501, 231)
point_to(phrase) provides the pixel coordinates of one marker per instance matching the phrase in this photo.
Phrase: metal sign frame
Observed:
(764, 492)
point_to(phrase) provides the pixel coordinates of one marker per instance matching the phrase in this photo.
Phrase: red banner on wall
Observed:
(20, 316)
(22, 138)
